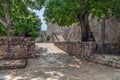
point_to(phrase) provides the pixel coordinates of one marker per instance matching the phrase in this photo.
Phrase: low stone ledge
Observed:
(88, 51)
(109, 60)
(12, 64)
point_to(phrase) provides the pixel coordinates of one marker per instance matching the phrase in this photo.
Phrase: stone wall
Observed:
(91, 51)
(17, 48)
(112, 29)
(73, 32)
(77, 48)
(109, 48)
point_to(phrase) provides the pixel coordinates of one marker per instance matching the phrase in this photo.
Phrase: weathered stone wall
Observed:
(109, 48)
(77, 48)
(73, 32)
(112, 30)
(89, 51)
(17, 47)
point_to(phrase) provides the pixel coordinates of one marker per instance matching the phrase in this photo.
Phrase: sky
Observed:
(40, 14)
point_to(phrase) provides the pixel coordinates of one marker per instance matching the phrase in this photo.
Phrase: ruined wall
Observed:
(73, 32)
(17, 48)
(112, 30)
(54, 28)
(89, 51)
(80, 49)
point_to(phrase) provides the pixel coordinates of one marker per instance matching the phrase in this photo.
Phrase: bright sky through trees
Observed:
(40, 14)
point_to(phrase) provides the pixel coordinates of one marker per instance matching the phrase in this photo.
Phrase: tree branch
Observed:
(7, 16)
(6, 11)
(3, 22)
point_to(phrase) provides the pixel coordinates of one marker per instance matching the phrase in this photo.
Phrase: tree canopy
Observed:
(67, 12)
(16, 15)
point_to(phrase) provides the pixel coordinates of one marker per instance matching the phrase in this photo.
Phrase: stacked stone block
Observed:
(83, 48)
(89, 51)
(17, 47)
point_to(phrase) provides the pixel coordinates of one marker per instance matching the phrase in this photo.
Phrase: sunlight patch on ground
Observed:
(51, 79)
(75, 65)
(12, 77)
(38, 78)
(8, 77)
(54, 73)
(50, 48)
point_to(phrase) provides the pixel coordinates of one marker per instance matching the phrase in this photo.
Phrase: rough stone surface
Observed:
(55, 64)
(12, 64)
(112, 32)
(85, 48)
(89, 51)
(73, 32)
(17, 48)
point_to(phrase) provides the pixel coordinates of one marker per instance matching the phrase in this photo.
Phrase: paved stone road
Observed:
(54, 64)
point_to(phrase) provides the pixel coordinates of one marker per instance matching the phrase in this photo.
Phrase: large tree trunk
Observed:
(7, 16)
(85, 28)
(7, 21)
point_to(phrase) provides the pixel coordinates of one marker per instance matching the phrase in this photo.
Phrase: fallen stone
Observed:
(12, 64)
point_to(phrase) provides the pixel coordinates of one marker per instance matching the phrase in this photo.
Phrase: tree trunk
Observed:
(7, 23)
(85, 28)
(7, 16)
(3, 22)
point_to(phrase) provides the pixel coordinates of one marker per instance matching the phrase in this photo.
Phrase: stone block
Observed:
(12, 64)
(16, 47)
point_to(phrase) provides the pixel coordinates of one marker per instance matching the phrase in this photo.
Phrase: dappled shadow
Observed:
(53, 64)
(47, 67)
(40, 50)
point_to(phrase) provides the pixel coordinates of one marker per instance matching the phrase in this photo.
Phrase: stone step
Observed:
(12, 64)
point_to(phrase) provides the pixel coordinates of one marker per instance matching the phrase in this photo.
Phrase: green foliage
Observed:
(48, 38)
(2, 30)
(35, 4)
(31, 22)
(1, 10)
(65, 12)
(22, 17)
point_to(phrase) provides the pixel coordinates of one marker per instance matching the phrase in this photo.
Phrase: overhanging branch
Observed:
(3, 22)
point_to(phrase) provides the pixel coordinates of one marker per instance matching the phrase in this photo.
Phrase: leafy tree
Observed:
(67, 12)
(2, 30)
(16, 17)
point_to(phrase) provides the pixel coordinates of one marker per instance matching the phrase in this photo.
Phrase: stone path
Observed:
(54, 64)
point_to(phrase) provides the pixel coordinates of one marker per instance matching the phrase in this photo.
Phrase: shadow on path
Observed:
(54, 64)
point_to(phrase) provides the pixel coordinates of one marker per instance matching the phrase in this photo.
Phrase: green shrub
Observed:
(48, 38)
(2, 30)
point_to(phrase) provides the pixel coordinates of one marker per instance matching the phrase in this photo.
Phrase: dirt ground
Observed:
(54, 64)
